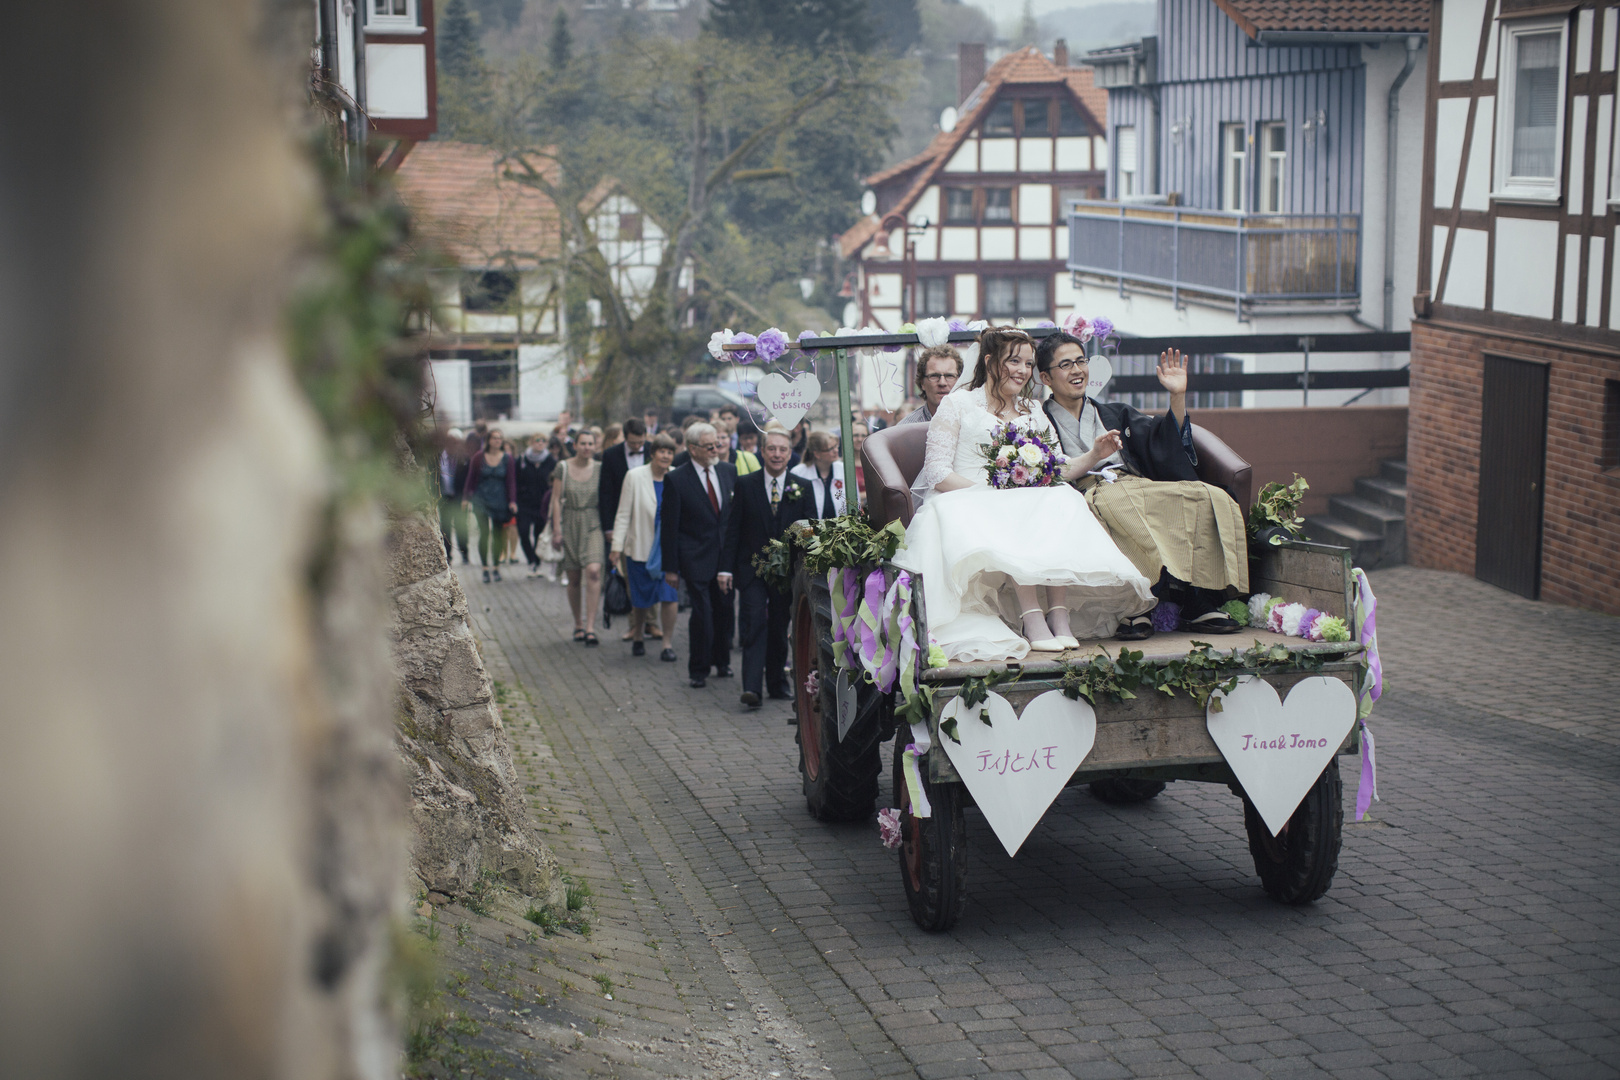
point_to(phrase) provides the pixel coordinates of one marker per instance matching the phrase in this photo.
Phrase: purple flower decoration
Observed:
(1103, 327)
(807, 340)
(957, 326)
(772, 344)
(1045, 324)
(1166, 617)
(746, 356)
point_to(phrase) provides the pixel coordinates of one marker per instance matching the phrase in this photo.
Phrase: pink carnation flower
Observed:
(1020, 475)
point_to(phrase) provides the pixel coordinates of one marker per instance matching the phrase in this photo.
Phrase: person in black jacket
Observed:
(768, 501)
(617, 460)
(1142, 483)
(696, 508)
(535, 467)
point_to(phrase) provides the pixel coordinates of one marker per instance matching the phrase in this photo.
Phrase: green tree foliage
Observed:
(747, 153)
(854, 25)
(560, 45)
(460, 54)
(505, 13)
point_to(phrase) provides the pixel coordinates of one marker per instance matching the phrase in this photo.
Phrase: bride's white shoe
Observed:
(1042, 644)
(1060, 634)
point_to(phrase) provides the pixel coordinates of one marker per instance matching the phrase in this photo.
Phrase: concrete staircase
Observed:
(1371, 522)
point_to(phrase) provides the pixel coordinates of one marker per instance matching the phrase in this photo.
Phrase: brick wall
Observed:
(1580, 558)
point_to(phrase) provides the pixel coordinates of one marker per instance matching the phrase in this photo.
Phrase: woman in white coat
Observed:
(636, 551)
(824, 474)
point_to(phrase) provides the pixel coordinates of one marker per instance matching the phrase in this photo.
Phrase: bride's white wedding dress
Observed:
(971, 545)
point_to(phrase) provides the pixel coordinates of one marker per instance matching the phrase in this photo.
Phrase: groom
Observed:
(1178, 531)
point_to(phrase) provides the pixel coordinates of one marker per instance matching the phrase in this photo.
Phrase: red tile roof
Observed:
(462, 203)
(1329, 16)
(1023, 66)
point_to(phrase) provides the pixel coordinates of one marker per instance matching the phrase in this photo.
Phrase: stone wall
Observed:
(1580, 538)
(466, 803)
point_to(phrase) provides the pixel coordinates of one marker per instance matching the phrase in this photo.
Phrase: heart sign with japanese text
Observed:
(788, 400)
(1017, 763)
(1277, 749)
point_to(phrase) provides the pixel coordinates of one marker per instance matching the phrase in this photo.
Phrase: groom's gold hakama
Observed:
(1190, 528)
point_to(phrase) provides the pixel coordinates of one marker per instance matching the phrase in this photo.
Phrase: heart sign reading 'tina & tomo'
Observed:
(1277, 749)
(1016, 765)
(786, 400)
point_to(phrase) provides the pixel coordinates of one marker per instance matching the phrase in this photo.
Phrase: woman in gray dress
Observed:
(577, 530)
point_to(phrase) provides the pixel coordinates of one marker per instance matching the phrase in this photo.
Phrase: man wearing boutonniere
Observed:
(697, 504)
(766, 503)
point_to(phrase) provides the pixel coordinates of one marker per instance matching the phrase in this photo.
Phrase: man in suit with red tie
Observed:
(768, 501)
(696, 509)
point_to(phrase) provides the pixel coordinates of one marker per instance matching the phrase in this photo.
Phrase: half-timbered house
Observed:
(972, 227)
(1265, 177)
(1514, 447)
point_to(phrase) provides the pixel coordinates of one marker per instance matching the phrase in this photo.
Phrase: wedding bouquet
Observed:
(1017, 458)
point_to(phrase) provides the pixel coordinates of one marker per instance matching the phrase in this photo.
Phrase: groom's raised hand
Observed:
(1173, 371)
(1173, 377)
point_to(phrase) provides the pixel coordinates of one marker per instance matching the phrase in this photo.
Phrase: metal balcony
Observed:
(1215, 256)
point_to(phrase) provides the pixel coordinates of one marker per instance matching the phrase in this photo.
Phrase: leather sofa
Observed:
(892, 458)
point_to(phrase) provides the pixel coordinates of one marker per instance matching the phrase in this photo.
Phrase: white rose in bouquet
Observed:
(1005, 454)
(1030, 455)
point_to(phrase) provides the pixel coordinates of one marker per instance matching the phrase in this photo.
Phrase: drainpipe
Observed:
(1389, 180)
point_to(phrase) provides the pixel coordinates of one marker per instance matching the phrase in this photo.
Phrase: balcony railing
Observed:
(1212, 254)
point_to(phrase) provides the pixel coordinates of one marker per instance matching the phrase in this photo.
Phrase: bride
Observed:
(984, 552)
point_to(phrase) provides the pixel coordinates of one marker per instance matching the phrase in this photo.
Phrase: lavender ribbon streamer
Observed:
(1366, 616)
(869, 643)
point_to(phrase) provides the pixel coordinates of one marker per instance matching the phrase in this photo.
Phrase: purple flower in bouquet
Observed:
(1103, 327)
(1166, 617)
(1001, 478)
(746, 356)
(772, 344)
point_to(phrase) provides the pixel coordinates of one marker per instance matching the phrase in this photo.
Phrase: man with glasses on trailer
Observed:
(938, 368)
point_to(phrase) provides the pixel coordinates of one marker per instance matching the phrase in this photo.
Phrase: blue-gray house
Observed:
(1265, 174)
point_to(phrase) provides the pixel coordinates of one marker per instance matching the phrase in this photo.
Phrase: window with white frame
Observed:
(1530, 111)
(1125, 160)
(1273, 167)
(391, 14)
(1234, 166)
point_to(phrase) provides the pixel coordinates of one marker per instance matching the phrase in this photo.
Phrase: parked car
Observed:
(701, 397)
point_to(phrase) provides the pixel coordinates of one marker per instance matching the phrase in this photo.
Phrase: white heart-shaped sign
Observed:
(788, 401)
(1016, 765)
(846, 702)
(1102, 369)
(1277, 749)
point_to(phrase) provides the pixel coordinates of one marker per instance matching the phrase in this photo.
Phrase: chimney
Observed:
(1060, 53)
(969, 69)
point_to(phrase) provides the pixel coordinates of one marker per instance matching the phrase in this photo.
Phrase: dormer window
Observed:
(999, 124)
(1070, 122)
(1035, 112)
(384, 15)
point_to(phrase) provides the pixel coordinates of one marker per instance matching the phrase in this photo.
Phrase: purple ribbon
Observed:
(1372, 689)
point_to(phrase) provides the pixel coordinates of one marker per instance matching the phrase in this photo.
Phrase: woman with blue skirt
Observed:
(635, 546)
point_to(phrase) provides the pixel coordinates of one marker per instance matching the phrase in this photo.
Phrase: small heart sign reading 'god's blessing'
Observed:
(788, 401)
(1016, 765)
(1102, 369)
(1277, 749)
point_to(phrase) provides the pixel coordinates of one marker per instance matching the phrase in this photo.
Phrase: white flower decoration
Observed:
(1005, 454)
(933, 332)
(718, 341)
(1030, 454)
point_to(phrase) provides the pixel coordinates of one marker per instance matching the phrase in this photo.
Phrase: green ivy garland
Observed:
(1198, 674)
(827, 543)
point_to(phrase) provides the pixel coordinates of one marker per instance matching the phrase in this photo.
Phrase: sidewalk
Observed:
(1472, 928)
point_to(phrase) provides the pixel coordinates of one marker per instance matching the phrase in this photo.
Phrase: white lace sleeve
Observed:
(944, 431)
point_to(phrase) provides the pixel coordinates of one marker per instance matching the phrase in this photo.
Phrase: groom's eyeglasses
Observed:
(1067, 366)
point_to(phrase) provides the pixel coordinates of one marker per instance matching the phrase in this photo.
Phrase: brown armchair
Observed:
(892, 458)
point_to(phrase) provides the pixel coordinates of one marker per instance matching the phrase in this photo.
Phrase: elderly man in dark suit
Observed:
(768, 501)
(696, 509)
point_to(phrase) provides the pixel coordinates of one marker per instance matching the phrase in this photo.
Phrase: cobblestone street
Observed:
(1473, 927)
